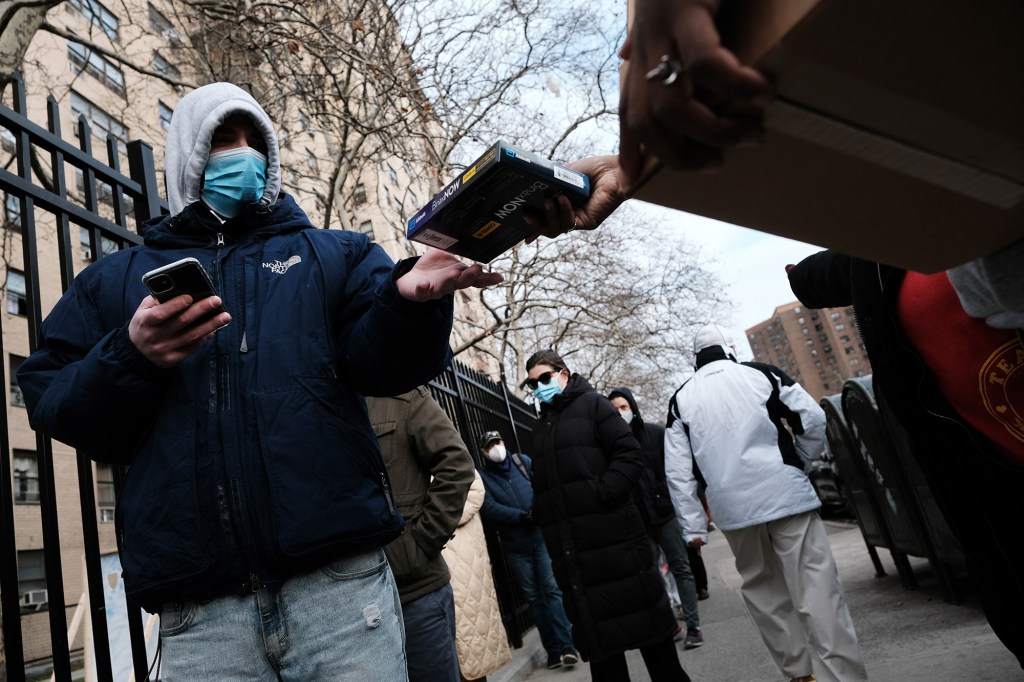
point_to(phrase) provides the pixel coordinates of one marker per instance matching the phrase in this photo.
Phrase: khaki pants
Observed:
(791, 588)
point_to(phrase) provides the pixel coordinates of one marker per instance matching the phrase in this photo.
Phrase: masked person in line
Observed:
(256, 505)
(508, 509)
(586, 463)
(655, 505)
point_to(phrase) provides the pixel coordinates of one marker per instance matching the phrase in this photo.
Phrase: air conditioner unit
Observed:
(175, 39)
(33, 598)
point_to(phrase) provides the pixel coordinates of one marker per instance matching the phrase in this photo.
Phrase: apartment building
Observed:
(82, 62)
(818, 348)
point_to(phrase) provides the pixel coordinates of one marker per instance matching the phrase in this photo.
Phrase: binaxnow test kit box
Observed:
(480, 214)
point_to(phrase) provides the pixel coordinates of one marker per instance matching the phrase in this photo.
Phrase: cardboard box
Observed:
(479, 215)
(897, 134)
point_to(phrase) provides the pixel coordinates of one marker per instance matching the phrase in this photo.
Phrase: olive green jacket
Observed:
(431, 472)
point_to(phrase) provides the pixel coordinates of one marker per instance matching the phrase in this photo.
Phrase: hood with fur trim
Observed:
(188, 141)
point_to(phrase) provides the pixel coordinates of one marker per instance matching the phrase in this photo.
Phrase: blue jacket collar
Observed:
(196, 224)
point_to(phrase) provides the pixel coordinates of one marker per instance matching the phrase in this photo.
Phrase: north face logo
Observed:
(279, 268)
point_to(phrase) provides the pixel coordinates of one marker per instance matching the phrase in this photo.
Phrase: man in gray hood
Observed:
(256, 504)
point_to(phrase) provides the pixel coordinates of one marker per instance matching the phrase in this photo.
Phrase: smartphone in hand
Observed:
(185, 276)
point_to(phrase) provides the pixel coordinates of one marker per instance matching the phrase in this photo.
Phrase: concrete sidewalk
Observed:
(906, 636)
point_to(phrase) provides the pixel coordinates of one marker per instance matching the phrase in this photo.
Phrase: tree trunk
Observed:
(19, 21)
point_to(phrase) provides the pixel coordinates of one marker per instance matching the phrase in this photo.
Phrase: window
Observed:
(809, 342)
(822, 337)
(835, 316)
(100, 122)
(805, 331)
(12, 210)
(366, 227)
(311, 160)
(165, 115)
(398, 206)
(413, 198)
(854, 362)
(26, 477)
(16, 397)
(97, 66)
(819, 327)
(848, 350)
(158, 22)
(359, 195)
(800, 319)
(98, 15)
(797, 310)
(814, 353)
(32, 579)
(840, 327)
(107, 246)
(844, 338)
(105, 496)
(105, 194)
(17, 303)
(161, 65)
(827, 349)
(392, 175)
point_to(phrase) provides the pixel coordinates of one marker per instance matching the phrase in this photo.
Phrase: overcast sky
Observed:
(751, 265)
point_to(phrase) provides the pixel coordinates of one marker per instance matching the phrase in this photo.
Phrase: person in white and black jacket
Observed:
(734, 422)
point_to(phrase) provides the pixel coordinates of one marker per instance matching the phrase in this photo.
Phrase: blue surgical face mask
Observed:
(233, 179)
(546, 392)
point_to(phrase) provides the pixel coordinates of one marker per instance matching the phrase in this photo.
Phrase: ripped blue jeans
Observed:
(340, 622)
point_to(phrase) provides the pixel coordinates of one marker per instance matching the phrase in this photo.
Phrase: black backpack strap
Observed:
(777, 411)
(517, 460)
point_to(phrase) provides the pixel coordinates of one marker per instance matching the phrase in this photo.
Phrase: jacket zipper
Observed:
(387, 492)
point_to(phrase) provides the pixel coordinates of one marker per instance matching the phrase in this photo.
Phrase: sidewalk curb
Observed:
(525, 660)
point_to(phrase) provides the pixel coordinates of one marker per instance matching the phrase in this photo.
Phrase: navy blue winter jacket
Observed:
(254, 458)
(509, 496)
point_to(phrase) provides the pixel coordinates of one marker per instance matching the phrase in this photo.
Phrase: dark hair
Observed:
(545, 357)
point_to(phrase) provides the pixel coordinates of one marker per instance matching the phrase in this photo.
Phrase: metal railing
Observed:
(474, 402)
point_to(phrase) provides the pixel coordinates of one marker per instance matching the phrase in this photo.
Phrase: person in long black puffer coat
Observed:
(585, 465)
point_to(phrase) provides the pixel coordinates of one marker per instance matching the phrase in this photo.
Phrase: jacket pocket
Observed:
(323, 466)
(158, 513)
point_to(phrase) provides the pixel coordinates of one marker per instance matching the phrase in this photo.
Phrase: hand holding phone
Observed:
(166, 336)
(185, 276)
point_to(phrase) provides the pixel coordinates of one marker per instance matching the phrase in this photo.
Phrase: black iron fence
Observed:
(109, 209)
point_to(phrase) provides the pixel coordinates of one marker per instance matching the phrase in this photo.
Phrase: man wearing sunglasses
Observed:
(586, 463)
